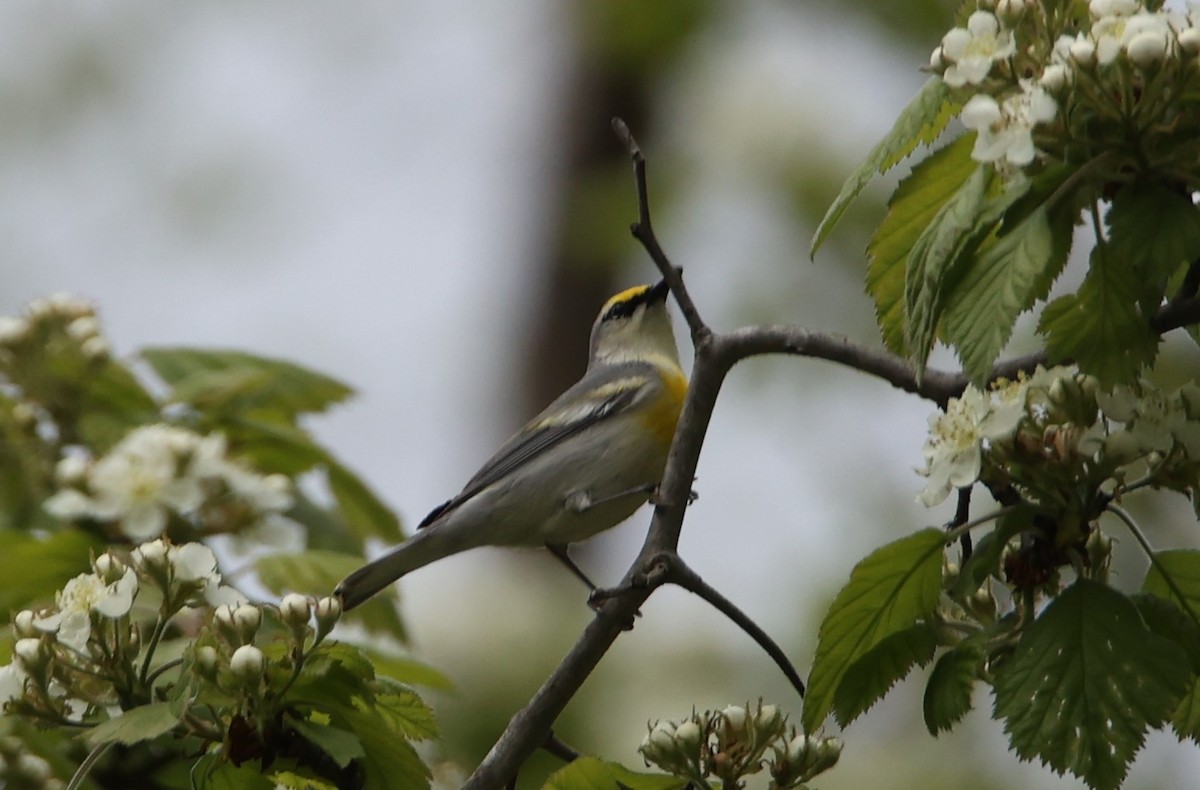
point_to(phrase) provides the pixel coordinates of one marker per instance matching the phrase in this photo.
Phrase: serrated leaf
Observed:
(1154, 230)
(317, 572)
(1085, 682)
(948, 691)
(592, 773)
(34, 569)
(1166, 619)
(405, 711)
(362, 511)
(340, 745)
(953, 233)
(135, 725)
(216, 379)
(389, 760)
(920, 122)
(999, 283)
(888, 591)
(911, 208)
(871, 677)
(1101, 326)
(1175, 576)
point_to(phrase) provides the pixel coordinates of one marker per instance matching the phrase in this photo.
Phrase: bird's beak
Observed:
(658, 292)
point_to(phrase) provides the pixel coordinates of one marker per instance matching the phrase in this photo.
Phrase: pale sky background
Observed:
(358, 187)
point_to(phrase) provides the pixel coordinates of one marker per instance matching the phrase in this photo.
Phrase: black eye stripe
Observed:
(625, 309)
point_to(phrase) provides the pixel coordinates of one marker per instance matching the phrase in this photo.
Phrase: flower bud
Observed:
(295, 610)
(687, 735)
(768, 723)
(70, 469)
(247, 663)
(1055, 77)
(1189, 41)
(205, 659)
(151, 556)
(224, 623)
(1147, 48)
(83, 328)
(1083, 52)
(29, 652)
(23, 624)
(735, 717)
(110, 569)
(95, 347)
(329, 611)
(246, 620)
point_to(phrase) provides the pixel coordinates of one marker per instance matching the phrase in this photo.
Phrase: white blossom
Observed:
(1006, 128)
(136, 483)
(957, 438)
(971, 51)
(81, 596)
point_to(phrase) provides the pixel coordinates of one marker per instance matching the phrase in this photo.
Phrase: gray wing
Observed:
(544, 431)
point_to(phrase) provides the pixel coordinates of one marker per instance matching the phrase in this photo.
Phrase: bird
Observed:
(581, 466)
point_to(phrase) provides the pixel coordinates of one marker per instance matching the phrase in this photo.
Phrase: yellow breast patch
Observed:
(661, 416)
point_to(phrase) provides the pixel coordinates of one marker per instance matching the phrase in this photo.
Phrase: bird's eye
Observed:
(622, 309)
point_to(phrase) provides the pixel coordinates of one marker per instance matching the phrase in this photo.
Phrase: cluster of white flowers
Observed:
(77, 315)
(1069, 420)
(1005, 107)
(54, 642)
(733, 743)
(154, 471)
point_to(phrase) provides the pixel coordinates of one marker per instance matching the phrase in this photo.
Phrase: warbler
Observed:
(582, 466)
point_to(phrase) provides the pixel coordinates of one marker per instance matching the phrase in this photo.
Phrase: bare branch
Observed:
(681, 574)
(643, 231)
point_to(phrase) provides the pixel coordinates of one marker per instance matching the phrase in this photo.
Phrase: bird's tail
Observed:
(426, 546)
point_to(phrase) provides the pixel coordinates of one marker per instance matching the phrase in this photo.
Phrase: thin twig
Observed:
(683, 576)
(643, 231)
(557, 747)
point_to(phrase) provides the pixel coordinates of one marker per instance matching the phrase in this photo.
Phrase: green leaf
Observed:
(405, 711)
(1101, 326)
(1085, 682)
(1178, 568)
(888, 591)
(34, 569)
(317, 572)
(920, 122)
(1166, 619)
(1153, 230)
(272, 446)
(135, 725)
(953, 233)
(1001, 282)
(948, 692)
(409, 671)
(871, 677)
(592, 773)
(340, 745)
(911, 209)
(389, 760)
(217, 379)
(213, 773)
(111, 403)
(363, 512)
